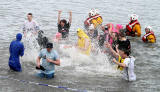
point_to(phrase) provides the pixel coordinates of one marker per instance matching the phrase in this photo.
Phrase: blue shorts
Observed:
(43, 75)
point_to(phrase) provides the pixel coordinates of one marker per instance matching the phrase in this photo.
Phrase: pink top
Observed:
(57, 37)
(112, 29)
(118, 27)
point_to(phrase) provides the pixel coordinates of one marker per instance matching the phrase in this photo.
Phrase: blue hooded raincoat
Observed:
(16, 49)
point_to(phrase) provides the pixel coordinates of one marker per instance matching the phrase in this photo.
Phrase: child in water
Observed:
(127, 64)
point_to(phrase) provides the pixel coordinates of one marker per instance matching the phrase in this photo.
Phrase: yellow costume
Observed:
(137, 29)
(81, 41)
(151, 39)
(97, 21)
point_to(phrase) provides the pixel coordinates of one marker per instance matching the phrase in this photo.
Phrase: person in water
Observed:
(49, 58)
(133, 27)
(123, 41)
(30, 25)
(84, 42)
(103, 36)
(57, 37)
(94, 18)
(42, 40)
(115, 37)
(127, 65)
(113, 34)
(92, 32)
(63, 25)
(149, 36)
(16, 49)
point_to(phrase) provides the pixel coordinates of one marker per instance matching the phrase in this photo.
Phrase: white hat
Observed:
(134, 17)
(92, 12)
(149, 27)
(91, 27)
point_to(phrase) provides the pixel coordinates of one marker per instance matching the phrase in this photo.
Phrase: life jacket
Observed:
(81, 41)
(144, 38)
(129, 28)
(96, 20)
(120, 60)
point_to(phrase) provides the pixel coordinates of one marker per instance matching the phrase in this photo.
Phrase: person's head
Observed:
(92, 13)
(58, 35)
(63, 22)
(133, 17)
(49, 47)
(122, 33)
(80, 33)
(19, 37)
(148, 29)
(29, 16)
(114, 35)
(124, 53)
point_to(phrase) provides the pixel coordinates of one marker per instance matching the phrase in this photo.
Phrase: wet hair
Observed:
(64, 21)
(49, 45)
(30, 14)
(122, 33)
(126, 51)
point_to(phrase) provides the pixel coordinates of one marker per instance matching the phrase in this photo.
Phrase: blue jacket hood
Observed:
(19, 37)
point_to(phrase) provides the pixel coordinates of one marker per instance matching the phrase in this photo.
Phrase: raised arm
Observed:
(113, 51)
(70, 17)
(59, 15)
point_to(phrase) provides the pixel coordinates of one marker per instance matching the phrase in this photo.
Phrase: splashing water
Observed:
(71, 57)
(31, 48)
(92, 65)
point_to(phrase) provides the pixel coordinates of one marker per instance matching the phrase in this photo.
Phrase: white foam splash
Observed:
(96, 64)
(31, 48)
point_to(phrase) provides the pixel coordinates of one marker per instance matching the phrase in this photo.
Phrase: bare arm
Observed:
(38, 61)
(70, 17)
(59, 15)
(56, 62)
(113, 51)
(120, 64)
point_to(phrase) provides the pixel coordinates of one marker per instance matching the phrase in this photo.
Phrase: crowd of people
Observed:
(112, 38)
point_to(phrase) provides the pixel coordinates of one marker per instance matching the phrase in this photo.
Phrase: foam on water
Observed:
(94, 64)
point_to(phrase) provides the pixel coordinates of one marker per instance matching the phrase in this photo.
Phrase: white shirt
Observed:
(30, 26)
(128, 71)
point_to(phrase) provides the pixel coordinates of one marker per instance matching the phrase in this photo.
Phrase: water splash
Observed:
(92, 65)
(31, 48)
